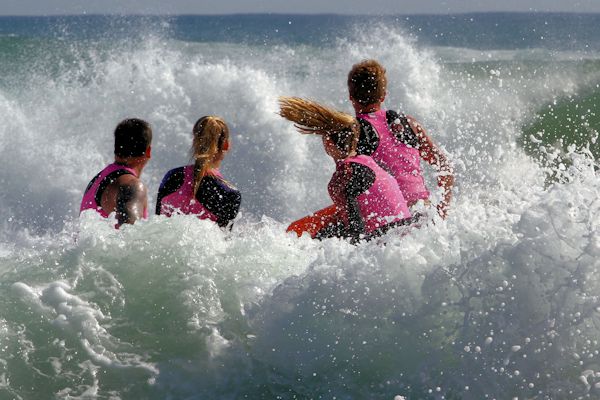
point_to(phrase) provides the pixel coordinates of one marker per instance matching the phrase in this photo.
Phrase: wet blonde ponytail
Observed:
(310, 117)
(210, 135)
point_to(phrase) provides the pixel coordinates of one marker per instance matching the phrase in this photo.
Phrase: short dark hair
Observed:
(367, 82)
(132, 137)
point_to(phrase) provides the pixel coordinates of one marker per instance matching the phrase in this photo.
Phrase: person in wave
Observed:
(367, 198)
(118, 188)
(397, 142)
(200, 188)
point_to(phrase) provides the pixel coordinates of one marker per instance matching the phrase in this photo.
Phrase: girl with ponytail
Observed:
(199, 188)
(366, 199)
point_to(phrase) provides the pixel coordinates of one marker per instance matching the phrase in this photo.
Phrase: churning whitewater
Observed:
(499, 301)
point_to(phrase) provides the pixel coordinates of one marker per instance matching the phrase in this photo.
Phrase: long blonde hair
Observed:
(310, 117)
(210, 135)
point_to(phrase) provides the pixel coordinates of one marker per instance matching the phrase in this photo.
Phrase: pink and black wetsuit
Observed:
(396, 152)
(368, 199)
(92, 196)
(216, 199)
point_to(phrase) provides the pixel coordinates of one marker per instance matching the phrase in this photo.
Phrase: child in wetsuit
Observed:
(118, 188)
(200, 188)
(367, 198)
(395, 141)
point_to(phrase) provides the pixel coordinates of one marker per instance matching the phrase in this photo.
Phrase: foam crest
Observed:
(172, 88)
(281, 174)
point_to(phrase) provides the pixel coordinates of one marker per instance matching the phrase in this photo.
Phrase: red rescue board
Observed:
(313, 223)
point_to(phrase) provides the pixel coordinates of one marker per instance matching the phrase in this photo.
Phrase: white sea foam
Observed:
(177, 308)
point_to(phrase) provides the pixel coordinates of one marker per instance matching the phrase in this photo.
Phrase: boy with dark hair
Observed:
(117, 188)
(395, 141)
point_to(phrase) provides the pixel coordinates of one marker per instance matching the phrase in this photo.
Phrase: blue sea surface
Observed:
(559, 31)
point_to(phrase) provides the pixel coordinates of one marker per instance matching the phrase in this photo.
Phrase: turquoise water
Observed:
(499, 301)
(569, 120)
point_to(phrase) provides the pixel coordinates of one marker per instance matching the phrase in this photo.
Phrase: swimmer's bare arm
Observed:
(435, 157)
(132, 199)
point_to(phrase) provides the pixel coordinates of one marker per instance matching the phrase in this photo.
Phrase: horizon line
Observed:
(424, 14)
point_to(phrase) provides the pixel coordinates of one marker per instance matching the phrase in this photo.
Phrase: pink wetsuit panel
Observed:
(380, 205)
(89, 197)
(183, 200)
(399, 159)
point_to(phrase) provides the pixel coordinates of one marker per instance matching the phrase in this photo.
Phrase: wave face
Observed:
(498, 301)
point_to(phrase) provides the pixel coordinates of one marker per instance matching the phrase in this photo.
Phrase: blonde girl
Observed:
(199, 188)
(367, 200)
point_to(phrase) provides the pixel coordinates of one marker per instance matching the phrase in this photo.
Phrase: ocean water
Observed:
(500, 301)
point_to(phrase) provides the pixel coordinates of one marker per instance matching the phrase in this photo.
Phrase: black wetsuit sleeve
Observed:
(399, 125)
(361, 179)
(368, 139)
(108, 180)
(219, 198)
(170, 184)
